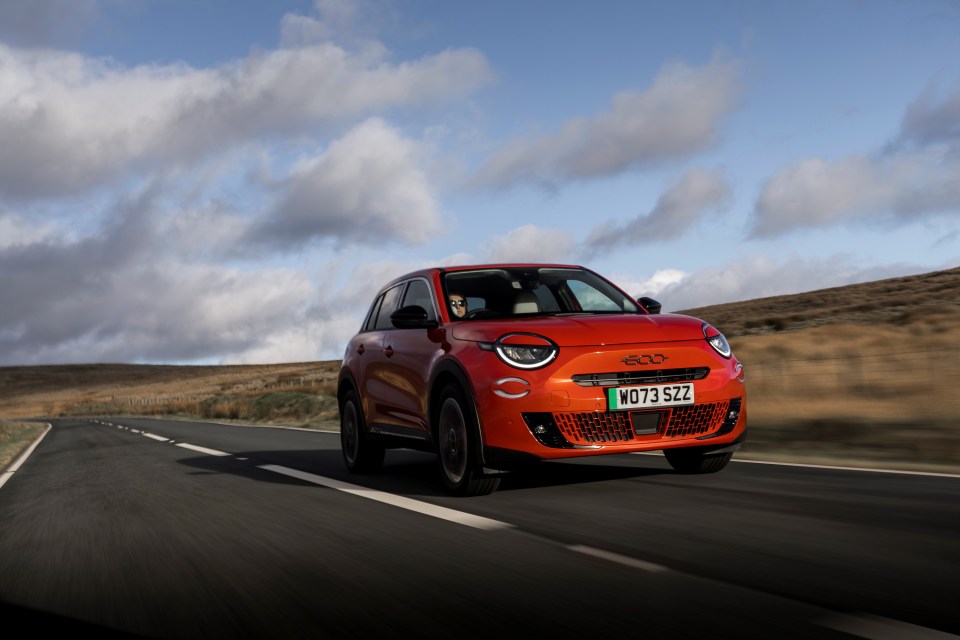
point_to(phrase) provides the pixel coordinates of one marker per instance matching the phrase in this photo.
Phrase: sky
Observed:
(230, 181)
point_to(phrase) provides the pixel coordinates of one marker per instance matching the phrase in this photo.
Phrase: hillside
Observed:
(930, 298)
(295, 393)
(860, 372)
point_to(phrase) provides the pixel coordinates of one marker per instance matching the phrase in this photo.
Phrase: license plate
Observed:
(660, 395)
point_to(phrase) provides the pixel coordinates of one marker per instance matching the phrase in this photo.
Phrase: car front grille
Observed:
(612, 427)
(621, 378)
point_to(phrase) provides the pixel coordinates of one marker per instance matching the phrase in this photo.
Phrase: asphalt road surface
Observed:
(163, 529)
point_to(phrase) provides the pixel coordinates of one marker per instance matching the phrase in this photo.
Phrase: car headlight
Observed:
(524, 350)
(716, 340)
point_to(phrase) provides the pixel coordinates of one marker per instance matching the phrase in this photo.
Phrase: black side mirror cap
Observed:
(412, 317)
(650, 304)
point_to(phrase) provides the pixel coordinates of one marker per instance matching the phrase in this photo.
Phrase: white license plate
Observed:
(659, 395)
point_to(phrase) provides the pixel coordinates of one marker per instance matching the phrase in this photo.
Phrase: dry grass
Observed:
(859, 372)
(880, 351)
(15, 437)
(298, 393)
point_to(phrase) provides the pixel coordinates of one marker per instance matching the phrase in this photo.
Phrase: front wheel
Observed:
(695, 460)
(458, 447)
(360, 453)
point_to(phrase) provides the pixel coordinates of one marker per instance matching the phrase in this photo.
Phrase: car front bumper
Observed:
(547, 414)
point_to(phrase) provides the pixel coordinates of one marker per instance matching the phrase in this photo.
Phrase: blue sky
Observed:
(213, 181)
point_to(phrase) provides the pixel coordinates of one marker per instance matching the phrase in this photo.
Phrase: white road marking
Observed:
(155, 437)
(470, 520)
(193, 447)
(838, 468)
(873, 627)
(627, 561)
(9, 471)
(821, 466)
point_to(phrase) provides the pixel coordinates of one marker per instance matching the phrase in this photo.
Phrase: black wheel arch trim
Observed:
(452, 367)
(346, 377)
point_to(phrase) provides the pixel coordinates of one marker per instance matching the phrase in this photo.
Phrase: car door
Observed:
(408, 358)
(371, 359)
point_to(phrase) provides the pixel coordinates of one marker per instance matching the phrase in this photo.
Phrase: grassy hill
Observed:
(849, 374)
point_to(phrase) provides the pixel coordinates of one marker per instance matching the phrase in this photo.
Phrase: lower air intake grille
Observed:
(611, 427)
(695, 419)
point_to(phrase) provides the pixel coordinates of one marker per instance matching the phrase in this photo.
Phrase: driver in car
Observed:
(458, 305)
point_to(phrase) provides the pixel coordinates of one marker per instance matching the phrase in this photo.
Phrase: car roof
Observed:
(428, 271)
(509, 265)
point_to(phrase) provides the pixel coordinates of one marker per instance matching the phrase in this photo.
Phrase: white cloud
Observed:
(88, 121)
(933, 118)
(817, 192)
(17, 231)
(28, 23)
(529, 243)
(128, 310)
(653, 286)
(356, 289)
(687, 200)
(915, 176)
(124, 293)
(210, 228)
(760, 276)
(367, 187)
(312, 340)
(341, 21)
(118, 296)
(813, 192)
(677, 116)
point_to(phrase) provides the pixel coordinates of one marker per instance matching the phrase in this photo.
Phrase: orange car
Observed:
(493, 366)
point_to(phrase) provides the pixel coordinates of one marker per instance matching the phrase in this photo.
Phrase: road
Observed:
(168, 529)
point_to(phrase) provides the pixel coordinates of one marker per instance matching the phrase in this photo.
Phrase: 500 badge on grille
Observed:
(660, 395)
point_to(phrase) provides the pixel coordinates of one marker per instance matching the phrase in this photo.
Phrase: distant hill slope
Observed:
(882, 302)
(40, 379)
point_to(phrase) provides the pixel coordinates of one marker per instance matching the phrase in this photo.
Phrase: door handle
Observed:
(388, 351)
(360, 350)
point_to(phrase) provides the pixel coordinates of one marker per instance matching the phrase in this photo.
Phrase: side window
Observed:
(418, 293)
(372, 319)
(388, 306)
(591, 299)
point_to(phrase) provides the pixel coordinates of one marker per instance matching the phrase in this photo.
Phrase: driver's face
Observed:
(458, 305)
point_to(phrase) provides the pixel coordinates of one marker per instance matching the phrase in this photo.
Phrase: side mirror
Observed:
(412, 317)
(650, 304)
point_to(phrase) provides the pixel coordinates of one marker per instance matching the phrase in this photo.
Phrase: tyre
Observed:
(360, 453)
(696, 460)
(458, 446)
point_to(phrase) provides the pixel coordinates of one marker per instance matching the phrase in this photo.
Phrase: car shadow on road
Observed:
(553, 473)
(416, 473)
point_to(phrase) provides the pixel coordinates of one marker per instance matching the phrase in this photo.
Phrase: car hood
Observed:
(585, 330)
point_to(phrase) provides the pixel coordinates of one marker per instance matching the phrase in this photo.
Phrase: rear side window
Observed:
(372, 316)
(386, 305)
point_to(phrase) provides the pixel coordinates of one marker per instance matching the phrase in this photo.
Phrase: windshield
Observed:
(496, 293)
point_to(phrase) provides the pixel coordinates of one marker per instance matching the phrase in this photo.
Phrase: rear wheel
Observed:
(696, 460)
(360, 453)
(458, 446)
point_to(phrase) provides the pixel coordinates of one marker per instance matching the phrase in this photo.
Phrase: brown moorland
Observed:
(859, 374)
